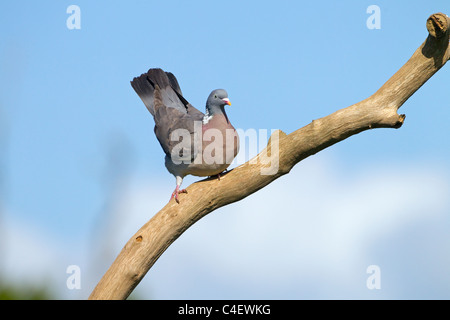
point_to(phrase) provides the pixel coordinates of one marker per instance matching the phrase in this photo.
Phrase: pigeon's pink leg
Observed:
(223, 172)
(219, 174)
(177, 190)
(176, 193)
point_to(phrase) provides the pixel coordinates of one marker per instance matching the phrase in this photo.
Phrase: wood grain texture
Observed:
(378, 111)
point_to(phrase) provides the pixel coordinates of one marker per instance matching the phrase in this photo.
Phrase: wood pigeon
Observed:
(194, 143)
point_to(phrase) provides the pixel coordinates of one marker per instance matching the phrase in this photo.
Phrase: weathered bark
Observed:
(377, 111)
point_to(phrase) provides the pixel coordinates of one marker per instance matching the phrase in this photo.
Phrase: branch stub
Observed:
(437, 24)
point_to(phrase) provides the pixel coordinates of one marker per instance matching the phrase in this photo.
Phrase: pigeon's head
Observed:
(217, 101)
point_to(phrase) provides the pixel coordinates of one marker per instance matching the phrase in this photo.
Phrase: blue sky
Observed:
(77, 144)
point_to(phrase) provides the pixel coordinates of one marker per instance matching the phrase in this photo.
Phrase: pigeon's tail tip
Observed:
(157, 75)
(145, 89)
(149, 79)
(163, 79)
(156, 79)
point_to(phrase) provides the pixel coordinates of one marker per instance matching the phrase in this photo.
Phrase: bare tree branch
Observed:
(377, 111)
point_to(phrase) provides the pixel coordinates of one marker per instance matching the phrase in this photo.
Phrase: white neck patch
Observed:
(206, 117)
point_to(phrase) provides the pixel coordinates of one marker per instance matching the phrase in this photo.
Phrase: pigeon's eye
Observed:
(215, 96)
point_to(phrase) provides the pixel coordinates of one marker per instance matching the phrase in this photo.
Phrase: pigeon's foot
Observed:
(176, 193)
(219, 174)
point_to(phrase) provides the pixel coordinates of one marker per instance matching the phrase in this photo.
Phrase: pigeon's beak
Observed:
(227, 101)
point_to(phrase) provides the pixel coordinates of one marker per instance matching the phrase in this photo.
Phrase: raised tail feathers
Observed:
(156, 79)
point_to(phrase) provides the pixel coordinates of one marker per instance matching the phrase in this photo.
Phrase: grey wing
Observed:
(177, 134)
(175, 118)
(189, 107)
